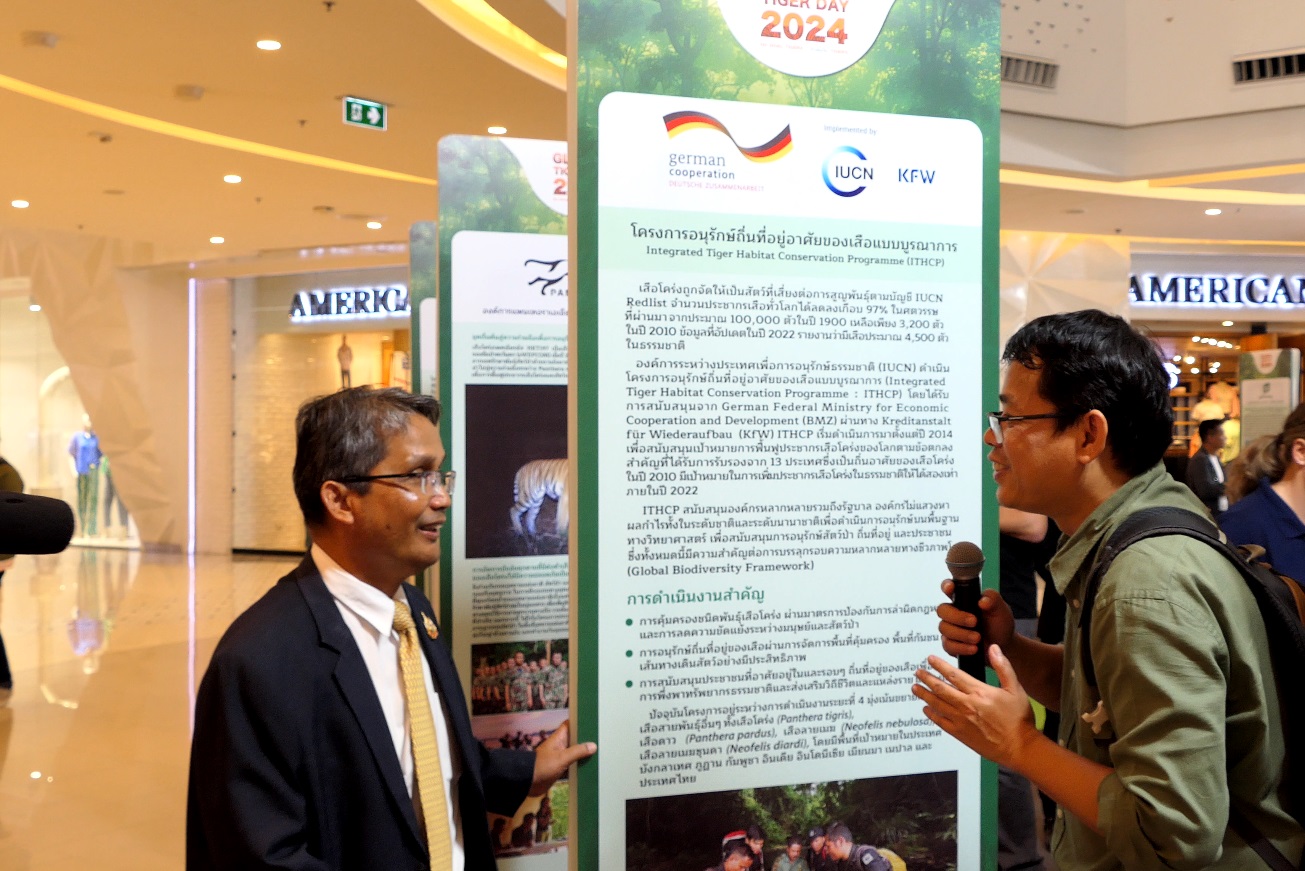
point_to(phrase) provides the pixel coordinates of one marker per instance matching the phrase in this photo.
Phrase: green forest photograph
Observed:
(910, 818)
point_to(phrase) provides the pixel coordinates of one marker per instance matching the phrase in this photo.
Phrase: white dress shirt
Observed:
(369, 614)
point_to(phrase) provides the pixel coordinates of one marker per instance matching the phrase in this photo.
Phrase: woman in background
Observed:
(1266, 485)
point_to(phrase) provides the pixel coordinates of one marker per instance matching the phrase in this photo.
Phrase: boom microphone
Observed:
(34, 524)
(964, 562)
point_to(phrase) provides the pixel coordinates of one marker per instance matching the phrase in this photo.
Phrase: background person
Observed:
(1268, 483)
(1205, 473)
(11, 482)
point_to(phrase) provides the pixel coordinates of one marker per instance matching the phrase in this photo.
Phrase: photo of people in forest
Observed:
(519, 676)
(879, 824)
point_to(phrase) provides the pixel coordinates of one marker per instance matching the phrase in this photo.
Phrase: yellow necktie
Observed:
(431, 806)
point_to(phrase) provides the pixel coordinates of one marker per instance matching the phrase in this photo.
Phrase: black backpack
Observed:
(1282, 604)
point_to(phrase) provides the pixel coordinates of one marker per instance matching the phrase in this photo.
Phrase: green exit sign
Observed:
(364, 113)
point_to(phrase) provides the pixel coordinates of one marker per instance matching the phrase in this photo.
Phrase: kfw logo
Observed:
(845, 171)
(916, 176)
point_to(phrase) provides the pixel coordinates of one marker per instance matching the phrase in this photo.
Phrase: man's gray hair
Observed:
(345, 434)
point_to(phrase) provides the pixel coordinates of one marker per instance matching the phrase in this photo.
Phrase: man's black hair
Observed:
(735, 848)
(794, 841)
(754, 833)
(347, 433)
(839, 832)
(1207, 427)
(1092, 360)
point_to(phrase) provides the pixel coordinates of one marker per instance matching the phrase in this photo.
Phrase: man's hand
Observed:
(995, 722)
(555, 755)
(960, 629)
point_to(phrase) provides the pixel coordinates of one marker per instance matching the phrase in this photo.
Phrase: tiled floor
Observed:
(105, 648)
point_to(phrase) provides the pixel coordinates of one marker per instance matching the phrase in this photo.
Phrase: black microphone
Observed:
(34, 524)
(964, 562)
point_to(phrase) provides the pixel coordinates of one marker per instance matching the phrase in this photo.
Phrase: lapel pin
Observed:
(431, 629)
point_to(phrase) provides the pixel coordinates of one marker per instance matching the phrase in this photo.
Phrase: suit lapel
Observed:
(446, 684)
(355, 684)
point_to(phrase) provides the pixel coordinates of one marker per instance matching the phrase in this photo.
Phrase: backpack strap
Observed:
(1283, 600)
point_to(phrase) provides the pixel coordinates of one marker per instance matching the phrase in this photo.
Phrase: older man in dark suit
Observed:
(330, 728)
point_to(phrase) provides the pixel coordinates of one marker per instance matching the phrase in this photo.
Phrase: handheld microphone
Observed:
(34, 524)
(964, 562)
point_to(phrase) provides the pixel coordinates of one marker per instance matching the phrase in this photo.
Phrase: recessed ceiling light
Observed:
(232, 179)
(1196, 338)
(34, 307)
(1178, 359)
(268, 44)
(373, 225)
(1213, 212)
(217, 240)
(497, 130)
(1189, 360)
(1227, 323)
(19, 204)
(1196, 371)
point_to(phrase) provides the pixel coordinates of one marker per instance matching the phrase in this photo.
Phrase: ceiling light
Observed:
(1196, 371)
(232, 179)
(497, 130)
(268, 44)
(1196, 338)
(1227, 323)
(1189, 360)
(1213, 212)
(1214, 370)
(1177, 359)
(34, 306)
(19, 204)
(217, 240)
(373, 225)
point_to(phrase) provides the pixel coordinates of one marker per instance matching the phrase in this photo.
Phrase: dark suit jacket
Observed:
(1203, 482)
(292, 765)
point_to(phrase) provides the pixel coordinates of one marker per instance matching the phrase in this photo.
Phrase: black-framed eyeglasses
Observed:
(996, 419)
(432, 483)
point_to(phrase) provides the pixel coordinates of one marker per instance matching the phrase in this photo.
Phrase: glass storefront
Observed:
(296, 337)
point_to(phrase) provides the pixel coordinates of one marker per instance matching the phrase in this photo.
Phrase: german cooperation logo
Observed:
(845, 171)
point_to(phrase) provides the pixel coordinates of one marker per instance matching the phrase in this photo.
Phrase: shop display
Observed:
(84, 449)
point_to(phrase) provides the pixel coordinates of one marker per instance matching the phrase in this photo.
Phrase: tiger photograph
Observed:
(516, 478)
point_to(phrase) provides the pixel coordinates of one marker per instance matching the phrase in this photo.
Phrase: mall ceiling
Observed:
(1144, 98)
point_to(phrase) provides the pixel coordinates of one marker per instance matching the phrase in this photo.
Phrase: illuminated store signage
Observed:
(350, 304)
(1216, 290)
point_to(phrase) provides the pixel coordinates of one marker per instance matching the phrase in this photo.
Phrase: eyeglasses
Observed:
(432, 483)
(996, 419)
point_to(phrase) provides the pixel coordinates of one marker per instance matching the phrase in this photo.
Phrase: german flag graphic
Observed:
(681, 122)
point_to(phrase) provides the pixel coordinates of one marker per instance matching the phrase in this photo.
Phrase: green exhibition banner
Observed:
(505, 601)
(784, 232)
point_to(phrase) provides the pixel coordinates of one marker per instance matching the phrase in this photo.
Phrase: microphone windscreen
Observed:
(965, 560)
(34, 524)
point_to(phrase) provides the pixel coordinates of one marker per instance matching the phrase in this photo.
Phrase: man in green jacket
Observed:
(1183, 724)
